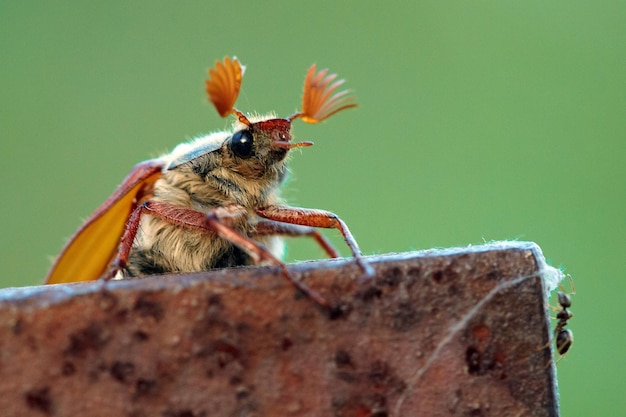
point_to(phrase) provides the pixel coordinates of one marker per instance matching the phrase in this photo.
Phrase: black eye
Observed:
(242, 144)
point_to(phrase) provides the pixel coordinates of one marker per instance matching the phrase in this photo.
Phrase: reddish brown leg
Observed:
(272, 228)
(216, 221)
(316, 218)
(126, 243)
(260, 254)
(175, 215)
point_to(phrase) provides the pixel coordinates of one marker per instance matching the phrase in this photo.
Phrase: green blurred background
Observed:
(478, 121)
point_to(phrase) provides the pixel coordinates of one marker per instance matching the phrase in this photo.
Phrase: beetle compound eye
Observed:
(242, 144)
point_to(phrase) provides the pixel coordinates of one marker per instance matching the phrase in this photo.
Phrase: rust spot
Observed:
(350, 407)
(499, 357)
(445, 275)
(122, 371)
(451, 274)
(476, 412)
(242, 327)
(383, 377)
(494, 276)
(39, 399)
(242, 393)
(378, 373)
(145, 387)
(286, 344)
(345, 367)
(414, 271)
(343, 359)
(226, 347)
(481, 332)
(454, 290)
(378, 404)
(347, 376)
(369, 293)
(392, 277)
(147, 308)
(141, 336)
(68, 368)
(121, 316)
(405, 317)
(17, 327)
(437, 276)
(339, 311)
(223, 351)
(92, 337)
(472, 360)
(214, 300)
(480, 362)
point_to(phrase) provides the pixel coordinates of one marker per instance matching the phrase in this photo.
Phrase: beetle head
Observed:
(320, 100)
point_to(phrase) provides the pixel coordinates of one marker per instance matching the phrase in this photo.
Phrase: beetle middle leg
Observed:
(217, 221)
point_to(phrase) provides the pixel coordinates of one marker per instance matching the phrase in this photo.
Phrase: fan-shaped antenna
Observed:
(319, 99)
(223, 86)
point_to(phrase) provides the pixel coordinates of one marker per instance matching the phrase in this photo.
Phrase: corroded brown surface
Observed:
(437, 333)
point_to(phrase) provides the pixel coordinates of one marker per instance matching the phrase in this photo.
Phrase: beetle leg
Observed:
(272, 228)
(173, 214)
(316, 218)
(126, 243)
(218, 221)
(259, 253)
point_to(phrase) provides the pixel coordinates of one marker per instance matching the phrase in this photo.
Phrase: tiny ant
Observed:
(564, 338)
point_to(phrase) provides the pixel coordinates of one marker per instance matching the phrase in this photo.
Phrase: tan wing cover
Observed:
(89, 252)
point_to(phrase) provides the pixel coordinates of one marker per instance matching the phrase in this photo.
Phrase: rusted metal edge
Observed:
(460, 331)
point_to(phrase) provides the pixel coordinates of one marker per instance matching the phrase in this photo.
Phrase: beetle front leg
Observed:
(175, 215)
(316, 218)
(218, 220)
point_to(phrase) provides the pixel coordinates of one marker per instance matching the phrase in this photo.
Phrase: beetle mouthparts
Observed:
(289, 145)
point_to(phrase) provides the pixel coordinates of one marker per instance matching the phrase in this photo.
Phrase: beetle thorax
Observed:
(247, 169)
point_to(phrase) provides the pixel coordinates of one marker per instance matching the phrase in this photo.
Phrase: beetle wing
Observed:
(92, 248)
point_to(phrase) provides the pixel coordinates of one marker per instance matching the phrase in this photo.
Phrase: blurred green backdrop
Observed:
(478, 121)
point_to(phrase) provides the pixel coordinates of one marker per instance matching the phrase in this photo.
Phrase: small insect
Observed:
(212, 202)
(564, 338)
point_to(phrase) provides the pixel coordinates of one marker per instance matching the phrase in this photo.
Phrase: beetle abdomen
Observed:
(149, 261)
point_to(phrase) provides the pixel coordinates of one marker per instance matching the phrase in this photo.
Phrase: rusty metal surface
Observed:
(435, 333)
